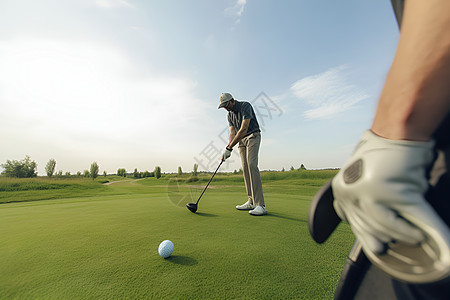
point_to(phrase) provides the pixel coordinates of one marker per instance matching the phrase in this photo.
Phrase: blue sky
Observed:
(135, 84)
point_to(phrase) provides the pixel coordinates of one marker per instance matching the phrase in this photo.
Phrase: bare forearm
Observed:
(232, 136)
(416, 95)
(237, 138)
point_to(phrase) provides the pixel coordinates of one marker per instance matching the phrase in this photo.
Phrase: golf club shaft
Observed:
(210, 181)
(354, 271)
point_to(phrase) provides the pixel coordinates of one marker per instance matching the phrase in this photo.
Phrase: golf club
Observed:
(423, 263)
(322, 219)
(193, 206)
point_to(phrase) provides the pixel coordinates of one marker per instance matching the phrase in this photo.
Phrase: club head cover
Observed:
(322, 219)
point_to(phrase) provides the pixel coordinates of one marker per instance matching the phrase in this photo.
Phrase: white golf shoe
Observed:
(246, 206)
(258, 211)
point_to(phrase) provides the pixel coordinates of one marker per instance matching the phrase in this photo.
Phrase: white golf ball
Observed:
(165, 249)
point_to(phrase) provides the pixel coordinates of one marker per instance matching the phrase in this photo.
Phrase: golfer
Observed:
(384, 190)
(244, 129)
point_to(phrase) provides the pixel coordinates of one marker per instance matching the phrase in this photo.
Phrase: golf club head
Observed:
(192, 207)
(322, 219)
(424, 263)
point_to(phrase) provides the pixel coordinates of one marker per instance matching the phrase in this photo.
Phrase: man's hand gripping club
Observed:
(379, 191)
(226, 154)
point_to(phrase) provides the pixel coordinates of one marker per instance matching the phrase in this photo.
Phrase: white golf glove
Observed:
(226, 153)
(379, 191)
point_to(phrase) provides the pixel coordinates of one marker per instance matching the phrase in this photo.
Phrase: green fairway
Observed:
(101, 242)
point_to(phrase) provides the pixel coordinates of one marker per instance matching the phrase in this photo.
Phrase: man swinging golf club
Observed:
(244, 130)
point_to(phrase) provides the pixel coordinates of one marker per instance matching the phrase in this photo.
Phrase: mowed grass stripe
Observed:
(106, 247)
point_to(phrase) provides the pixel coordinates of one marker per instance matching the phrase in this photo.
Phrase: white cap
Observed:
(224, 99)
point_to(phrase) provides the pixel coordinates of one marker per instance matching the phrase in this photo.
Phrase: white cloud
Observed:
(88, 98)
(113, 3)
(237, 10)
(78, 76)
(328, 93)
(240, 5)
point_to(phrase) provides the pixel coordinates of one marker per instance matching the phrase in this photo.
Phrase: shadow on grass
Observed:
(271, 214)
(182, 260)
(205, 214)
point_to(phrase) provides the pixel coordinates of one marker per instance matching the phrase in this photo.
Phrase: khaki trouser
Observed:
(248, 149)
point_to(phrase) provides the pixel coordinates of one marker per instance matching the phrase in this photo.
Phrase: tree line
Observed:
(27, 168)
(136, 174)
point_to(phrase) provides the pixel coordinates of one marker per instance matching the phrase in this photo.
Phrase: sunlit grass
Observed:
(43, 188)
(104, 245)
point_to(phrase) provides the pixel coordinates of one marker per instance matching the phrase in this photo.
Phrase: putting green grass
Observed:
(105, 246)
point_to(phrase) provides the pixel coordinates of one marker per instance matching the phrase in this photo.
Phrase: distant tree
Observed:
(50, 167)
(94, 170)
(25, 168)
(180, 171)
(104, 173)
(59, 173)
(121, 172)
(235, 172)
(67, 174)
(158, 172)
(194, 173)
(282, 170)
(292, 168)
(302, 167)
(79, 174)
(86, 173)
(136, 174)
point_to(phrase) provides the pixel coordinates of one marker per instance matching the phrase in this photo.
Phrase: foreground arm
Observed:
(416, 95)
(380, 190)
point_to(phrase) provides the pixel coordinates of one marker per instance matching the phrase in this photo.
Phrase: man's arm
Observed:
(380, 190)
(232, 134)
(240, 134)
(416, 95)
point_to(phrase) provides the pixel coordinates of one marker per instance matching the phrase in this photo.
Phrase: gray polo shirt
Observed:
(243, 110)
